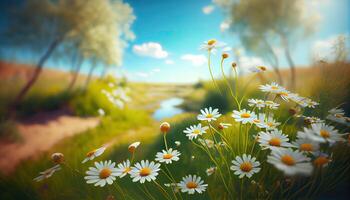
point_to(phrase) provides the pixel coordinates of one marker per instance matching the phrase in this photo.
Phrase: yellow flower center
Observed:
(275, 142)
(245, 115)
(262, 68)
(191, 185)
(320, 161)
(256, 121)
(339, 115)
(246, 166)
(324, 133)
(105, 173)
(126, 170)
(283, 93)
(167, 156)
(306, 147)
(90, 153)
(274, 87)
(209, 116)
(196, 131)
(270, 124)
(145, 171)
(288, 160)
(211, 42)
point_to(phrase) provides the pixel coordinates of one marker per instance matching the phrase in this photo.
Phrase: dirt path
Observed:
(39, 134)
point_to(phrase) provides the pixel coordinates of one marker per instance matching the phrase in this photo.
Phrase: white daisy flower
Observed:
(260, 121)
(177, 143)
(102, 173)
(207, 142)
(93, 154)
(321, 132)
(270, 123)
(272, 105)
(285, 94)
(211, 45)
(258, 69)
(336, 111)
(312, 120)
(258, 103)
(272, 88)
(192, 184)
(211, 170)
(47, 173)
(132, 147)
(168, 156)
(222, 126)
(209, 114)
(290, 162)
(310, 104)
(305, 144)
(245, 166)
(101, 112)
(195, 130)
(144, 170)
(273, 139)
(321, 159)
(123, 169)
(244, 116)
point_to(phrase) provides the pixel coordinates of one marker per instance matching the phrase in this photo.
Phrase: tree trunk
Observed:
(88, 79)
(34, 77)
(75, 74)
(290, 61)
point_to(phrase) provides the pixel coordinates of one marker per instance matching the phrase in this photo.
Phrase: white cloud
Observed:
(224, 26)
(325, 49)
(196, 60)
(150, 49)
(155, 70)
(208, 9)
(169, 62)
(142, 74)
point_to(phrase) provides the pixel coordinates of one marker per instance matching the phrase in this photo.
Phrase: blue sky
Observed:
(175, 29)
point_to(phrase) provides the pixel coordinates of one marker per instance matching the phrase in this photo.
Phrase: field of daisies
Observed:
(246, 138)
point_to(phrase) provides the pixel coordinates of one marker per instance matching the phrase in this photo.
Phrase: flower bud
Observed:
(233, 65)
(224, 55)
(164, 127)
(57, 158)
(292, 111)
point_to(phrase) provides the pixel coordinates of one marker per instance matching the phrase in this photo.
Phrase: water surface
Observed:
(168, 108)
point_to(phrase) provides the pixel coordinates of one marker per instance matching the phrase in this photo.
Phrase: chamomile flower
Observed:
(244, 116)
(245, 166)
(273, 139)
(209, 114)
(290, 162)
(270, 123)
(260, 121)
(103, 173)
(192, 184)
(336, 111)
(258, 69)
(123, 169)
(210, 170)
(94, 153)
(144, 171)
(310, 103)
(321, 132)
(132, 147)
(47, 173)
(168, 156)
(272, 105)
(285, 94)
(271, 88)
(211, 44)
(258, 103)
(222, 126)
(321, 159)
(305, 144)
(195, 130)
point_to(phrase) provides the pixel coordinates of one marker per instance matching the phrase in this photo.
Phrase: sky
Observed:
(169, 33)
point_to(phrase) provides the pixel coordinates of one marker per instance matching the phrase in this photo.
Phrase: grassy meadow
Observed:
(325, 83)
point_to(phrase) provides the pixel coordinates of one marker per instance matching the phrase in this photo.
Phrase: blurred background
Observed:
(76, 74)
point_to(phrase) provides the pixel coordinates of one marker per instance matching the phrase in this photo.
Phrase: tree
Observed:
(262, 24)
(63, 24)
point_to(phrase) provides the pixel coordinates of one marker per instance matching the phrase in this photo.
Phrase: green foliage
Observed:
(8, 130)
